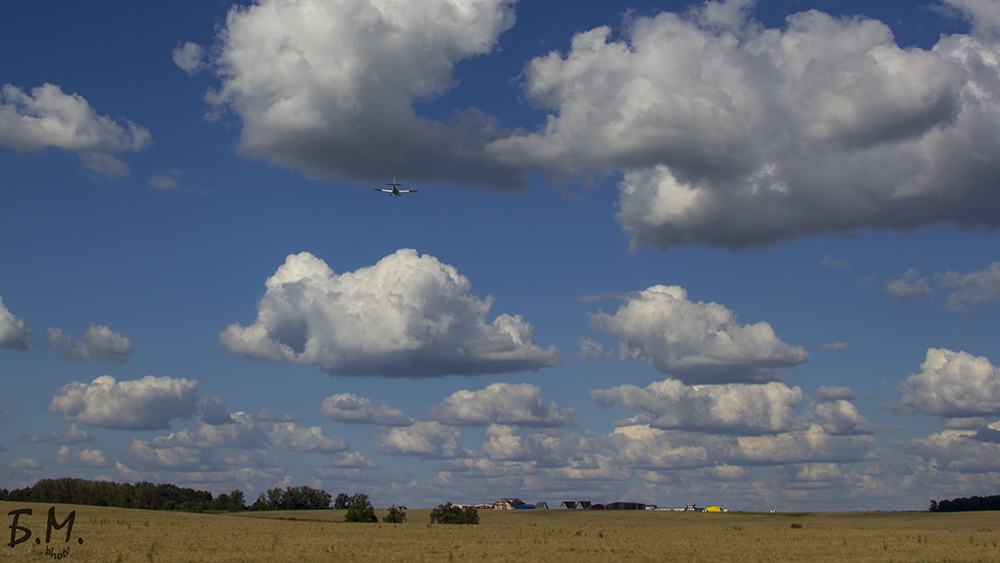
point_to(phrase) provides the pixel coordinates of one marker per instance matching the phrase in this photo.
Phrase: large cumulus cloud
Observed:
(329, 87)
(732, 134)
(696, 342)
(950, 385)
(726, 132)
(149, 403)
(49, 118)
(406, 316)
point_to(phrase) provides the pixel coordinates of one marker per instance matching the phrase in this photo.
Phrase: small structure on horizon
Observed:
(541, 505)
(508, 503)
(575, 505)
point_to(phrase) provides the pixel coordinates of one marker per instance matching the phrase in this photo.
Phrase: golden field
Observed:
(114, 534)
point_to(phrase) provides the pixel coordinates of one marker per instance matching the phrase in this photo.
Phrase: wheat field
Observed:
(113, 535)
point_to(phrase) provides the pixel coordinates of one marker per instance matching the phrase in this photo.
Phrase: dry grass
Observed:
(112, 535)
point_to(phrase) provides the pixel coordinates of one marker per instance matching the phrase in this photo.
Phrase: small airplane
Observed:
(395, 189)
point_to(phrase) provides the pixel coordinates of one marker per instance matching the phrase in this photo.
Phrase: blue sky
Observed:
(737, 253)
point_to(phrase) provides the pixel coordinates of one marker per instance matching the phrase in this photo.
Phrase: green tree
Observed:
(270, 500)
(236, 502)
(342, 502)
(396, 515)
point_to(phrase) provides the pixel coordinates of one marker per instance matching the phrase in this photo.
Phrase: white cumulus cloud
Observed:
(85, 458)
(960, 451)
(329, 87)
(732, 134)
(246, 432)
(974, 287)
(735, 408)
(49, 118)
(812, 445)
(502, 403)
(696, 342)
(950, 385)
(406, 316)
(288, 436)
(98, 343)
(425, 439)
(841, 418)
(149, 403)
(908, 287)
(14, 333)
(352, 409)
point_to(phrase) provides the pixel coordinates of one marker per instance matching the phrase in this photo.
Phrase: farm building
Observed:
(507, 503)
(716, 509)
(622, 505)
(541, 505)
(575, 505)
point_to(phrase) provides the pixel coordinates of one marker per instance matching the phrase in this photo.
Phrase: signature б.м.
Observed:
(52, 524)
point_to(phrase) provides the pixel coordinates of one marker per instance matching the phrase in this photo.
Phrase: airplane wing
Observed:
(381, 190)
(407, 191)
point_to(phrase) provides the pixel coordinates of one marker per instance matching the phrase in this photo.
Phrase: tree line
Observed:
(165, 496)
(144, 495)
(150, 496)
(966, 504)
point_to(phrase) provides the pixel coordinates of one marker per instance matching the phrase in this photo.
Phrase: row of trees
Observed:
(966, 504)
(166, 496)
(293, 498)
(123, 495)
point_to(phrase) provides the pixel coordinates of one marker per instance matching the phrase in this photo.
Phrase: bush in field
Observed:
(396, 515)
(360, 510)
(451, 514)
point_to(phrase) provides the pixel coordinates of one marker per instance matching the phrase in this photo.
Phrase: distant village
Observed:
(518, 504)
